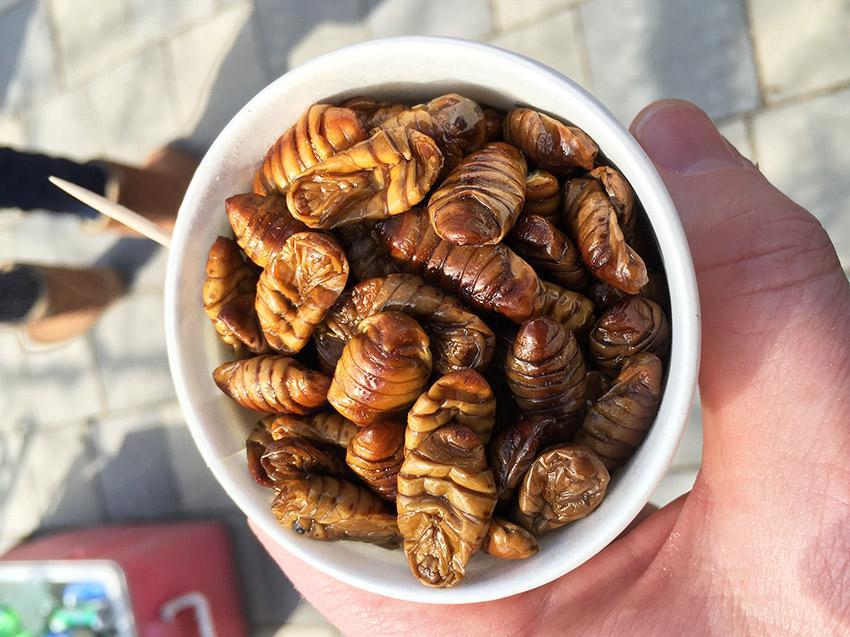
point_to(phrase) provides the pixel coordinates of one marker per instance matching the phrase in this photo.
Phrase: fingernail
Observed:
(682, 139)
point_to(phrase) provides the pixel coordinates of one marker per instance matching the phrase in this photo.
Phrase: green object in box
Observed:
(10, 622)
(66, 619)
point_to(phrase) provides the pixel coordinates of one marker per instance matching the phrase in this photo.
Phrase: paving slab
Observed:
(801, 45)
(803, 149)
(388, 18)
(20, 514)
(92, 36)
(643, 50)
(554, 41)
(67, 125)
(130, 350)
(270, 598)
(12, 131)
(28, 68)
(66, 483)
(64, 382)
(294, 32)
(135, 107)
(199, 491)
(134, 469)
(509, 14)
(227, 70)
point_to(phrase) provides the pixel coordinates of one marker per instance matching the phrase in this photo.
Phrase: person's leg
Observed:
(154, 190)
(24, 185)
(52, 304)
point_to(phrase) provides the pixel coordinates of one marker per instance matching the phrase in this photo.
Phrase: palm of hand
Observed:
(761, 545)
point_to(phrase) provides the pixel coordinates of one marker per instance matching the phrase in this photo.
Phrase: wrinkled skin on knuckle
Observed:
(321, 132)
(382, 370)
(261, 224)
(446, 496)
(382, 176)
(618, 421)
(563, 485)
(481, 198)
(298, 287)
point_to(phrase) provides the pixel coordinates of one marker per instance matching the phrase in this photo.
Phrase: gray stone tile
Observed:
(803, 149)
(226, 72)
(28, 62)
(154, 19)
(63, 461)
(437, 17)
(554, 41)
(644, 50)
(508, 14)
(20, 514)
(674, 484)
(135, 471)
(47, 239)
(150, 275)
(736, 131)
(135, 107)
(16, 399)
(199, 491)
(130, 350)
(92, 35)
(270, 597)
(12, 131)
(66, 125)
(64, 382)
(803, 46)
(294, 32)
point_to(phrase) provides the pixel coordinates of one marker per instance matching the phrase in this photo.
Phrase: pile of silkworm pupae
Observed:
(453, 320)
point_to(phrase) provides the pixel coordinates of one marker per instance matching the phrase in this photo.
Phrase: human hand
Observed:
(761, 545)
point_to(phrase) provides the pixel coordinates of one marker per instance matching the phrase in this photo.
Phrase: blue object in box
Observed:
(79, 593)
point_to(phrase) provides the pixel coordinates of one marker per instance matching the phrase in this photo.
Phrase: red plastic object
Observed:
(161, 562)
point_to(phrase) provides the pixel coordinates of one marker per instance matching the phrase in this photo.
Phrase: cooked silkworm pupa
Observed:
(484, 297)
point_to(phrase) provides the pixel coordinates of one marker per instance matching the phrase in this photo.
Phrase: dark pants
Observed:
(24, 185)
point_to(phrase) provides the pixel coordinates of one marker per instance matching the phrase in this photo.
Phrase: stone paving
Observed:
(91, 432)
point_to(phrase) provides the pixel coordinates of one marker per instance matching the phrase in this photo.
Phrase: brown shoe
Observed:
(155, 190)
(72, 301)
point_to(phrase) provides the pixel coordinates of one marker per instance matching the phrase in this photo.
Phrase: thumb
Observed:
(774, 299)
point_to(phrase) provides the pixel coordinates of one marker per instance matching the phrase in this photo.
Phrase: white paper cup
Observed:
(414, 69)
